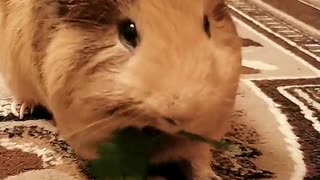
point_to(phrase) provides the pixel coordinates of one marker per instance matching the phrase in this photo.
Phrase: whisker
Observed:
(119, 112)
(74, 20)
(82, 21)
(132, 118)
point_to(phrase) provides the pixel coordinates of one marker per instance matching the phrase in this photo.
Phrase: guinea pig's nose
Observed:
(171, 121)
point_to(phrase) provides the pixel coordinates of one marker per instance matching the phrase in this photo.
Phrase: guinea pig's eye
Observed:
(206, 26)
(128, 32)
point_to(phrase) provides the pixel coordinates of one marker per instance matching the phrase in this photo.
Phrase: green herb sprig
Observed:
(126, 156)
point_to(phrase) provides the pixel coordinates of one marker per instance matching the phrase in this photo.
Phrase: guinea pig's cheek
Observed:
(131, 74)
(227, 65)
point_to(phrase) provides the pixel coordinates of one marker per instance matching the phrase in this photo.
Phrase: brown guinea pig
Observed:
(101, 65)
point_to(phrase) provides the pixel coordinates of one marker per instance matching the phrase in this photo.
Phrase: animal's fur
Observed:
(66, 55)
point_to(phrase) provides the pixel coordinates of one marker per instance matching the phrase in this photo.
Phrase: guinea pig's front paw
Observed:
(21, 106)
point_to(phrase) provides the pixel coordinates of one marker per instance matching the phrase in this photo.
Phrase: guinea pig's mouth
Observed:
(174, 170)
(145, 118)
(171, 170)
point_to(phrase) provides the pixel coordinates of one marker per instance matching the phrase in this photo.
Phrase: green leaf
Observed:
(217, 144)
(127, 155)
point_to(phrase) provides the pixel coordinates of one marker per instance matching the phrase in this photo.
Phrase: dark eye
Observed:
(206, 25)
(128, 33)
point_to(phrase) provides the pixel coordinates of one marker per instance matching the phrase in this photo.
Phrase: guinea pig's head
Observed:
(172, 65)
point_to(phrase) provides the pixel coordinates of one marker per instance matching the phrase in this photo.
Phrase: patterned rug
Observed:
(275, 125)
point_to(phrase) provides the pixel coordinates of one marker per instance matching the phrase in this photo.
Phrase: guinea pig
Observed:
(101, 65)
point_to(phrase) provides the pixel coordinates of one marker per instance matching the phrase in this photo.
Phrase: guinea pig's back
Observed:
(16, 53)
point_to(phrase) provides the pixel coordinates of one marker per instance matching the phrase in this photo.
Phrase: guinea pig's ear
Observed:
(219, 12)
(216, 10)
(99, 12)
